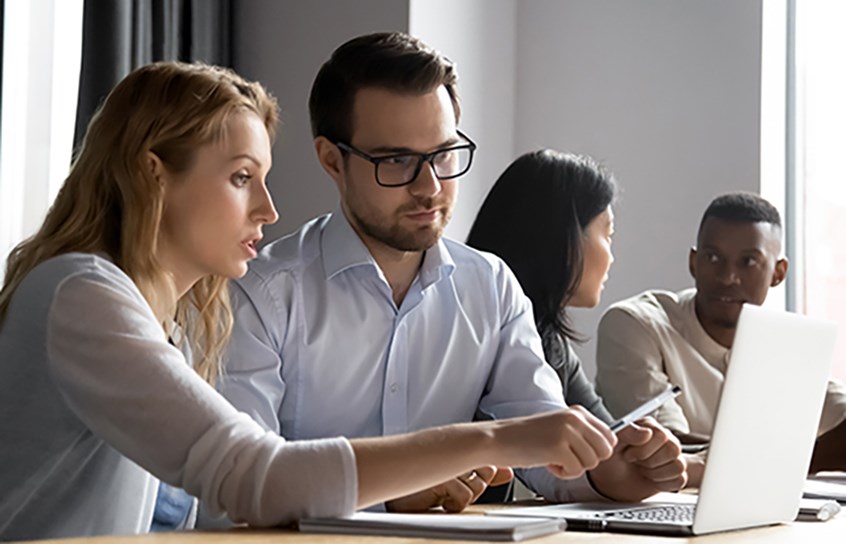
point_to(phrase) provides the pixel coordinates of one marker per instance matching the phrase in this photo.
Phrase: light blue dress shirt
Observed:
(320, 349)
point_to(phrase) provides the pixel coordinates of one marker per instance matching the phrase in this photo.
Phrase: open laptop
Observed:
(762, 441)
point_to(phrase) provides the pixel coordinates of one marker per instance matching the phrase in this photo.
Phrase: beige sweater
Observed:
(654, 339)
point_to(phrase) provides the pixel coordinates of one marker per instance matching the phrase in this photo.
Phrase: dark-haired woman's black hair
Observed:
(534, 218)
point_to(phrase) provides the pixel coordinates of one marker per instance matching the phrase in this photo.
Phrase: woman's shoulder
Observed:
(61, 267)
(46, 279)
(35, 298)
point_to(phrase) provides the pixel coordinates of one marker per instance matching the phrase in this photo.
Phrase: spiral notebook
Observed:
(449, 526)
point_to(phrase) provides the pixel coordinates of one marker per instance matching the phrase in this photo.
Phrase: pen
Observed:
(817, 510)
(646, 408)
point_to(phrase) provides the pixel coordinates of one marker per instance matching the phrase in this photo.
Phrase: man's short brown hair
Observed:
(388, 60)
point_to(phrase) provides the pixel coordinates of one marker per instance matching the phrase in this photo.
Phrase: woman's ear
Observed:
(155, 166)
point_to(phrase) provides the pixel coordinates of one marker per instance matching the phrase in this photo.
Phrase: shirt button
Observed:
(394, 388)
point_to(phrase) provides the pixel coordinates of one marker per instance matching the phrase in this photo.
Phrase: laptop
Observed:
(762, 441)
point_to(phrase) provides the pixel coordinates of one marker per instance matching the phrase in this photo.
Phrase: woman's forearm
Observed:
(388, 467)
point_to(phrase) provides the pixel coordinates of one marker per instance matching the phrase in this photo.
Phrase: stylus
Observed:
(646, 408)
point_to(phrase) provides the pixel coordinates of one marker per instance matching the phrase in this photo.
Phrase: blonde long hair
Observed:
(112, 203)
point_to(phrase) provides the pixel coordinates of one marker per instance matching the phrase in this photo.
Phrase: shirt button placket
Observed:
(394, 398)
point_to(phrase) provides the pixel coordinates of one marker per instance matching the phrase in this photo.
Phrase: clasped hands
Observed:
(453, 495)
(637, 462)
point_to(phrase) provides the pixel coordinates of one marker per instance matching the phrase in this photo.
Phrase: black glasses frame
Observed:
(421, 158)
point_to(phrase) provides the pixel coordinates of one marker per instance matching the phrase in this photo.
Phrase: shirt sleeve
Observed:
(578, 389)
(252, 380)
(116, 371)
(630, 369)
(522, 383)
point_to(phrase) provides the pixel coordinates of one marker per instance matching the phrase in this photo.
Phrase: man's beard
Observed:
(401, 239)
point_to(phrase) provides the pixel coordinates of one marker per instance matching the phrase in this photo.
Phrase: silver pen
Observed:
(646, 408)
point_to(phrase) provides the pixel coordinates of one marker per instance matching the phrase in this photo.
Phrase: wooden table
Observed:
(829, 532)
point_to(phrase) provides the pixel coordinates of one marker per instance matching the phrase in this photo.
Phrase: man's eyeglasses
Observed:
(403, 168)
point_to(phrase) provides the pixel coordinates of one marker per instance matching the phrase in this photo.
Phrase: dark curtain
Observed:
(121, 35)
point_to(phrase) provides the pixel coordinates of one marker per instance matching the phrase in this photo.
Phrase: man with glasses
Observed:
(366, 322)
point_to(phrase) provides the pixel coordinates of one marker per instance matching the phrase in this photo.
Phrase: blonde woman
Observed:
(127, 275)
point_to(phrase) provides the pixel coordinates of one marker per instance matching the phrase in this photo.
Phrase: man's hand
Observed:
(453, 495)
(568, 442)
(695, 468)
(647, 460)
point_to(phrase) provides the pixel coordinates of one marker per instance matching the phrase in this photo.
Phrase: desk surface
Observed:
(829, 532)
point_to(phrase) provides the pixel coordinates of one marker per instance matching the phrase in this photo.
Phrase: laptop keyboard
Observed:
(671, 513)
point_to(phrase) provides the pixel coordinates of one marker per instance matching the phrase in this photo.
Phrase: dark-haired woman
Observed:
(549, 217)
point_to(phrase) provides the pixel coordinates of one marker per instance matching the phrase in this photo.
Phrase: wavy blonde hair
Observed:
(112, 203)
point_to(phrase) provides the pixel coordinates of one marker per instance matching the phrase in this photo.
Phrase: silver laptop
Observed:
(762, 441)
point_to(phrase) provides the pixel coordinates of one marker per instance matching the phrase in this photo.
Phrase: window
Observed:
(41, 60)
(817, 238)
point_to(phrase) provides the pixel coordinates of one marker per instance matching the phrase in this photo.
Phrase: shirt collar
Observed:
(342, 249)
(437, 264)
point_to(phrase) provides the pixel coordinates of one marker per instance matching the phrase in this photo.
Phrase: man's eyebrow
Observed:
(712, 247)
(386, 150)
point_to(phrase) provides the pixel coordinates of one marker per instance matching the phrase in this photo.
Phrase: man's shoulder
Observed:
(290, 253)
(468, 256)
(474, 264)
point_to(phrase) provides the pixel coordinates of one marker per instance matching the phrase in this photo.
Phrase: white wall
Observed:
(283, 44)
(667, 94)
(479, 36)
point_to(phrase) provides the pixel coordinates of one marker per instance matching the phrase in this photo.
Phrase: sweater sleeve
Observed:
(630, 368)
(116, 371)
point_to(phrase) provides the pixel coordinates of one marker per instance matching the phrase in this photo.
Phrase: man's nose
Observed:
(426, 183)
(728, 275)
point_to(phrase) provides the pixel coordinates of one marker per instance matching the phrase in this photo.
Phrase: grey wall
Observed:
(282, 44)
(665, 92)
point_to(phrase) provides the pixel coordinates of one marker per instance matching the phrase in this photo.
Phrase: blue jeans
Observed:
(172, 508)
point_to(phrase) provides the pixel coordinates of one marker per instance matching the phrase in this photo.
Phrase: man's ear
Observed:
(691, 262)
(331, 159)
(780, 271)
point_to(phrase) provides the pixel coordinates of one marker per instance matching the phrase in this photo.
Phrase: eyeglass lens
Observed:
(402, 169)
